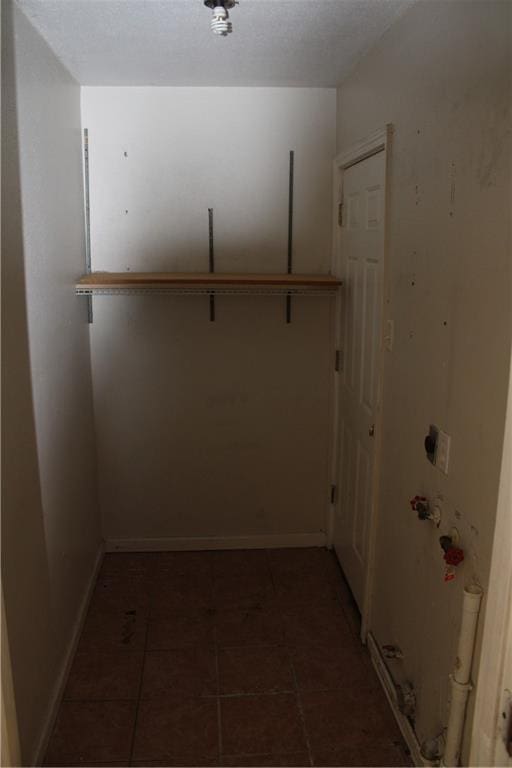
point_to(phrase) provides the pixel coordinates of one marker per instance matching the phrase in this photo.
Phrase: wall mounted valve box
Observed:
(431, 443)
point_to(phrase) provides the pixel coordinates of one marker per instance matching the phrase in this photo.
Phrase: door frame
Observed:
(378, 141)
(10, 753)
(492, 716)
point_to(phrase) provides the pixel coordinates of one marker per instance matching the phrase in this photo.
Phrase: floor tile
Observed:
(344, 595)
(302, 575)
(298, 561)
(98, 676)
(98, 731)
(309, 589)
(261, 725)
(175, 726)
(128, 563)
(348, 718)
(117, 631)
(196, 762)
(172, 592)
(256, 623)
(181, 630)
(290, 759)
(257, 626)
(181, 672)
(233, 563)
(88, 764)
(243, 591)
(255, 669)
(118, 593)
(367, 755)
(317, 625)
(337, 578)
(185, 563)
(353, 617)
(324, 668)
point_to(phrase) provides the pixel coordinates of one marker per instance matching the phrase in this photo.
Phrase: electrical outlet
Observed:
(443, 451)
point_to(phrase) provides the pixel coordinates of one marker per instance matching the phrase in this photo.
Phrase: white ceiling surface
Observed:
(308, 43)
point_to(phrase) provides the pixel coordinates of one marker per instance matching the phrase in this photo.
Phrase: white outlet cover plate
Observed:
(443, 451)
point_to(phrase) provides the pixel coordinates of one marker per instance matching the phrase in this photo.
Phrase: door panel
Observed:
(348, 475)
(360, 510)
(351, 330)
(362, 250)
(370, 309)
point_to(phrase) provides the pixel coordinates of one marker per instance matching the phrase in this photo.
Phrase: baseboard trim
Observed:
(389, 689)
(178, 544)
(68, 659)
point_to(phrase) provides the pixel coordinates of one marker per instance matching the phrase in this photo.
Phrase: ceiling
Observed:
(310, 43)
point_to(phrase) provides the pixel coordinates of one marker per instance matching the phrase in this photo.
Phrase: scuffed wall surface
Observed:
(441, 75)
(50, 518)
(210, 429)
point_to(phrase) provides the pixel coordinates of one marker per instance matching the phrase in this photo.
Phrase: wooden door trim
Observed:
(10, 743)
(378, 141)
(370, 145)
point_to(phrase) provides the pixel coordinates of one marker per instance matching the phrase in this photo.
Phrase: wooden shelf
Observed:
(206, 283)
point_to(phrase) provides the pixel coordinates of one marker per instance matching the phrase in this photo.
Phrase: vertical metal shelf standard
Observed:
(211, 261)
(290, 231)
(87, 219)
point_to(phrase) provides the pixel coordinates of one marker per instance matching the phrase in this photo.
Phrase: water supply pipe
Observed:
(460, 679)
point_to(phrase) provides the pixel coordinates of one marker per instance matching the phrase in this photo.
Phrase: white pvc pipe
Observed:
(460, 679)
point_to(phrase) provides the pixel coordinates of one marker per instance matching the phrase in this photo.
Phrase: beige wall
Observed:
(441, 75)
(50, 519)
(494, 684)
(210, 429)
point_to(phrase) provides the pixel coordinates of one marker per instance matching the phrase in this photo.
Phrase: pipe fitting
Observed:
(421, 505)
(460, 679)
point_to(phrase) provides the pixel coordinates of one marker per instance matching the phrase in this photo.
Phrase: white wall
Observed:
(50, 518)
(189, 149)
(441, 75)
(489, 737)
(210, 429)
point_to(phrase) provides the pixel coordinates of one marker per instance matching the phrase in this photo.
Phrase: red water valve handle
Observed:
(454, 556)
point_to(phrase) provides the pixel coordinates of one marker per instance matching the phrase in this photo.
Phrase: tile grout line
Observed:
(297, 691)
(139, 693)
(216, 646)
(301, 711)
(239, 695)
(272, 580)
(247, 695)
(218, 703)
(271, 573)
(257, 754)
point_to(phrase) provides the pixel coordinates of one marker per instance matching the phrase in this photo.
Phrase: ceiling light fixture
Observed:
(220, 23)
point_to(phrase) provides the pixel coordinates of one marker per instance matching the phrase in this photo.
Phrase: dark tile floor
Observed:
(234, 658)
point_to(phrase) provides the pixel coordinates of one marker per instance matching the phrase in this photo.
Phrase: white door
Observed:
(361, 245)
